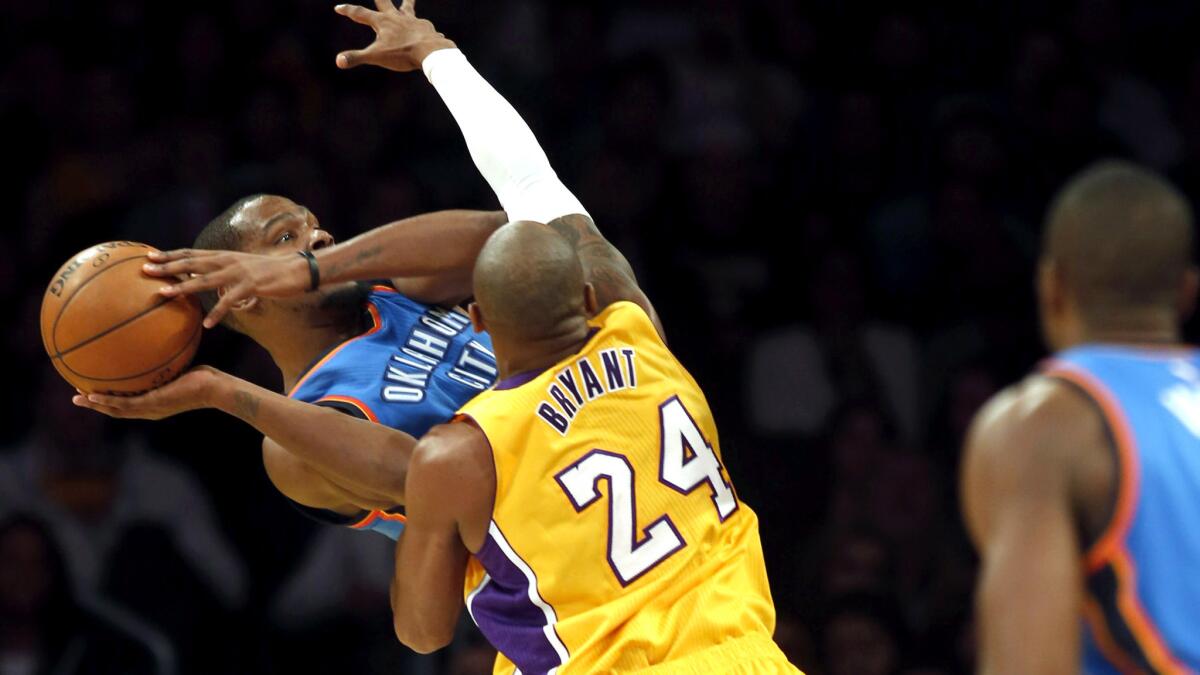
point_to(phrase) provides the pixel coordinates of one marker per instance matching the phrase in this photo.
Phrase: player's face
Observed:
(274, 225)
(279, 226)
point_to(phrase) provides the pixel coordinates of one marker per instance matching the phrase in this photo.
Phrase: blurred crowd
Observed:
(836, 207)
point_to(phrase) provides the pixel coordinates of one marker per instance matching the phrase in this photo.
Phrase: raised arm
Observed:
(502, 145)
(605, 267)
(320, 437)
(1018, 477)
(428, 257)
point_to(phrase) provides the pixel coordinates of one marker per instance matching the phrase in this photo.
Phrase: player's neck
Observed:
(296, 349)
(534, 356)
(1145, 329)
(298, 334)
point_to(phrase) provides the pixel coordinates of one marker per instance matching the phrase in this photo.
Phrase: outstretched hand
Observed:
(193, 390)
(402, 41)
(241, 276)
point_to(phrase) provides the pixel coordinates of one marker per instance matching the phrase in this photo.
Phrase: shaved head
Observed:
(1121, 238)
(528, 282)
(222, 233)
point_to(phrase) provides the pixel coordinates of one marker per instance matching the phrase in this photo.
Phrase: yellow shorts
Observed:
(747, 655)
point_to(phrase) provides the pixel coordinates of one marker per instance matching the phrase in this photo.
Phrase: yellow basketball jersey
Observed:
(617, 542)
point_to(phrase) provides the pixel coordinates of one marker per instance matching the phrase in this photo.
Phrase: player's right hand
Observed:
(236, 276)
(402, 41)
(191, 391)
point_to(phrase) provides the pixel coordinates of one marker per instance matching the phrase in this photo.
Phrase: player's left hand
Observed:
(402, 41)
(239, 276)
(191, 391)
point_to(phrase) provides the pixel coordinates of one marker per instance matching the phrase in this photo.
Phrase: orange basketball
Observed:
(106, 328)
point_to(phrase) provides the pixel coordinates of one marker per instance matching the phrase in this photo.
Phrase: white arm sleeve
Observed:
(501, 143)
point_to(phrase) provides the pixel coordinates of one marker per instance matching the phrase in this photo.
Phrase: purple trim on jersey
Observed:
(508, 618)
(521, 379)
(518, 380)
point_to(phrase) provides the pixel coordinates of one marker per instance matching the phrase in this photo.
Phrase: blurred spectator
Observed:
(835, 207)
(860, 440)
(46, 627)
(798, 375)
(862, 635)
(858, 561)
(1130, 108)
(96, 481)
(340, 586)
(121, 513)
(964, 394)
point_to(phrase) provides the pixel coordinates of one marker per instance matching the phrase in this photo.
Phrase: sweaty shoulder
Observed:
(1045, 436)
(1037, 410)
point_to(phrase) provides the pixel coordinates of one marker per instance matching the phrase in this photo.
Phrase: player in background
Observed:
(1081, 484)
(580, 506)
(367, 368)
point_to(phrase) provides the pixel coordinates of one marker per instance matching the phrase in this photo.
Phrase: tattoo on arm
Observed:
(245, 405)
(362, 257)
(603, 265)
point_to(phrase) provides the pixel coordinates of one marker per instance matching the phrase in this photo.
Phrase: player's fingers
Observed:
(385, 5)
(180, 254)
(166, 256)
(137, 407)
(83, 402)
(356, 57)
(223, 307)
(184, 266)
(114, 402)
(357, 14)
(409, 7)
(196, 284)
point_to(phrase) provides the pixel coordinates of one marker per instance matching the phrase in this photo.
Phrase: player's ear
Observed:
(476, 315)
(1050, 287)
(243, 305)
(590, 304)
(1188, 292)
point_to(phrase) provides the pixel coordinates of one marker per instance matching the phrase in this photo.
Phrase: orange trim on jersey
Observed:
(375, 328)
(1110, 547)
(379, 288)
(1102, 634)
(378, 515)
(1144, 631)
(1113, 537)
(367, 520)
(349, 400)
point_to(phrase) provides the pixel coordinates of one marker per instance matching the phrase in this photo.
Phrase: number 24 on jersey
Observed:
(628, 556)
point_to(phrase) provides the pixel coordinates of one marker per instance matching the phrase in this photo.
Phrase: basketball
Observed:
(107, 329)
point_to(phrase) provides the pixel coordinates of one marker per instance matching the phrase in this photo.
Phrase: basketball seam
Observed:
(63, 308)
(112, 329)
(188, 344)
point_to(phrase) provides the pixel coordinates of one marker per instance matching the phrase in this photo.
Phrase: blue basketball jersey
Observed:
(413, 368)
(1143, 573)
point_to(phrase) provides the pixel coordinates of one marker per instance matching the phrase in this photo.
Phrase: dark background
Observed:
(835, 206)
